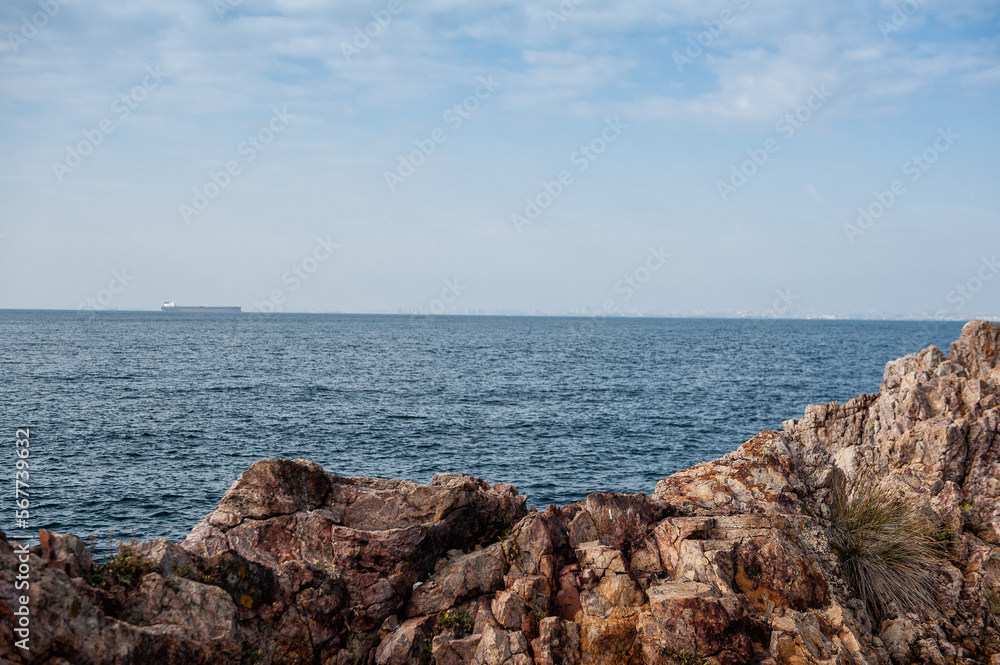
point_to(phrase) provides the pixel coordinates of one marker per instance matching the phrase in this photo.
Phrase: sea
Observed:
(140, 421)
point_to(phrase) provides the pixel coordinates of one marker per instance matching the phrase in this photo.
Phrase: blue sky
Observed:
(645, 109)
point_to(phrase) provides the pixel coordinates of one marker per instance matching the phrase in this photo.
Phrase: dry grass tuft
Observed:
(886, 545)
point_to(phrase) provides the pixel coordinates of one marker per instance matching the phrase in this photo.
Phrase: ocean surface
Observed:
(141, 421)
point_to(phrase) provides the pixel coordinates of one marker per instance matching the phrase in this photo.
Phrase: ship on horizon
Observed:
(204, 309)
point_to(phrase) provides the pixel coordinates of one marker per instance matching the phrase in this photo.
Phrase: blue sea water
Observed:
(140, 421)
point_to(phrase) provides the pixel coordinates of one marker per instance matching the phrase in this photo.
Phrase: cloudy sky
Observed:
(489, 155)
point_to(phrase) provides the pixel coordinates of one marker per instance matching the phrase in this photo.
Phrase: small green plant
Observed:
(965, 507)
(208, 578)
(886, 546)
(125, 569)
(95, 579)
(942, 537)
(252, 653)
(428, 644)
(182, 571)
(684, 657)
(458, 620)
(539, 615)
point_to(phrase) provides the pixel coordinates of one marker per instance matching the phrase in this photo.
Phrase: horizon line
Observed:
(721, 315)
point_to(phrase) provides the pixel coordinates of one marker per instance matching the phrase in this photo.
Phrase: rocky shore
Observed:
(732, 561)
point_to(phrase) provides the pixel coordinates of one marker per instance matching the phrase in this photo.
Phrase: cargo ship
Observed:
(203, 309)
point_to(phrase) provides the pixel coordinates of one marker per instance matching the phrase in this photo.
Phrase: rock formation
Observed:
(727, 562)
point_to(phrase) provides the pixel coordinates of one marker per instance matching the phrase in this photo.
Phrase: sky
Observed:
(731, 157)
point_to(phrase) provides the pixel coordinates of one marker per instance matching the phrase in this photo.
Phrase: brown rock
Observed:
(759, 477)
(670, 533)
(405, 645)
(494, 647)
(558, 642)
(773, 571)
(610, 640)
(508, 608)
(693, 617)
(806, 638)
(67, 553)
(449, 651)
(535, 591)
(537, 546)
(978, 348)
(464, 577)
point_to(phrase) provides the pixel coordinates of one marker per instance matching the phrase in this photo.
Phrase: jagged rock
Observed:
(611, 639)
(772, 571)
(67, 553)
(494, 647)
(694, 617)
(727, 562)
(759, 477)
(202, 610)
(508, 608)
(168, 558)
(567, 601)
(464, 577)
(449, 651)
(558, 642)
(405, 645)
(897, 635)
(536, 545)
